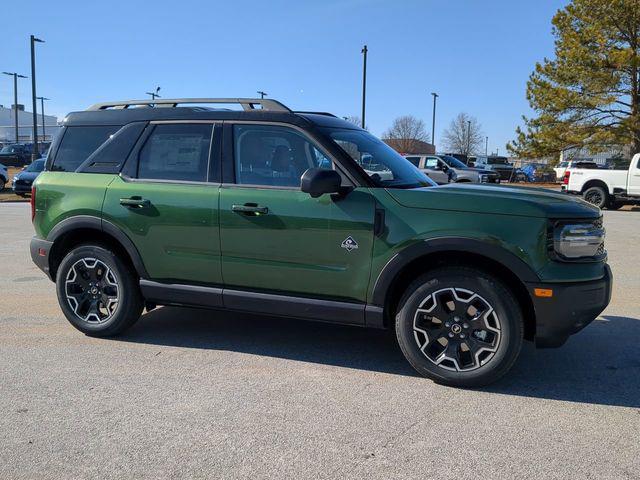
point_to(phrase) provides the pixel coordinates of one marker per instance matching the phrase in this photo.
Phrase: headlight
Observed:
(579, 240)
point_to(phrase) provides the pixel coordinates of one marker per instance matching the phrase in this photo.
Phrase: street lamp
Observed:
(262, 94)
(15, 76)
(35, 154)
(486, 146)
(433, 122)
(42, 99)
(364, 81)
(468, 139)
(155, 94)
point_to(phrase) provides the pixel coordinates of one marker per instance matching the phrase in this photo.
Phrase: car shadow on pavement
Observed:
(600, 365)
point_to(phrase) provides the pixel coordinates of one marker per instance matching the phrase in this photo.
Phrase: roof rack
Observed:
(248, 104)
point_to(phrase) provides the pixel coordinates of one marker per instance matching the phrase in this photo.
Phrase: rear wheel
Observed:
(597, 196)
(460, 327)
(97, 291)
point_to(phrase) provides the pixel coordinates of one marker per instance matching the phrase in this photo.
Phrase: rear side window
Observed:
(414, 160)
(178, 152)
(78, 143)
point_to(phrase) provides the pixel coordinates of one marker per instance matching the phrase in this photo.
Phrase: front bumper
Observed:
(40, 250)
(572, 307)
(22, 187)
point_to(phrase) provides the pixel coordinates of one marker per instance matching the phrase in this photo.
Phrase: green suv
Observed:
(267, 210)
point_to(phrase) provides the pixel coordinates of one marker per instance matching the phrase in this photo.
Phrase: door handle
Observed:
(250, 209)
(135, 202)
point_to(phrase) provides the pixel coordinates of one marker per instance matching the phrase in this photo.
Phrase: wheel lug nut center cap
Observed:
(456, 328)
(94, 290)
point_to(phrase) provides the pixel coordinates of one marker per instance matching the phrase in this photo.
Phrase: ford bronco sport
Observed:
(267, 210)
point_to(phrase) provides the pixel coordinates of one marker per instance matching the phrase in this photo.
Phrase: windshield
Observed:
(384, 165)
(453, 161)
(8, 149)
(497, 161)
(36, 166)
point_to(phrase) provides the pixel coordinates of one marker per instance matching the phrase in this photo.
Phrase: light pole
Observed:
(468, 139)
(262, 94)
(15, 76)
(364, 81)
(433, 121)
(155, 94)
(35, 154)
(486, 146)
(42, 99)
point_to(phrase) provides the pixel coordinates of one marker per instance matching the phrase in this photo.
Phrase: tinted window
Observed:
(78, 143)
(414, 160)
(176, 152)
(271, 155)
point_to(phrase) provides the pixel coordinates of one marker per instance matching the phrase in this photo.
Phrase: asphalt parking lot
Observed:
(215, 395)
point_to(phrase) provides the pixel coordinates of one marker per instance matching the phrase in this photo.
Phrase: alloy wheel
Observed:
(92, 290)
(457, 329)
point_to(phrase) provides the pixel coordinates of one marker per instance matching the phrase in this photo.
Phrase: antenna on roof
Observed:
(155, 94)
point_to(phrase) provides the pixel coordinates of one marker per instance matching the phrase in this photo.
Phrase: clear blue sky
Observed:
(476, 54)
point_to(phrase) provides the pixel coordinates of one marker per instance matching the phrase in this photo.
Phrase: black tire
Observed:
(499, 329)
(3, 183)
(597, 196)
(81, 274)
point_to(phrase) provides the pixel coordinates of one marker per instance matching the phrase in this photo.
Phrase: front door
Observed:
(274, 237)
(434, 168)
(634, 177)
(168, 206)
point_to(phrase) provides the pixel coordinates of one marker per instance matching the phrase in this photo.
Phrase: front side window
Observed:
(78, 143)
(177, 152)
(273, 155)
(386, 167)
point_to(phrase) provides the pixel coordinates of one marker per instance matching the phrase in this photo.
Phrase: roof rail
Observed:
(327, 114)
(248, 104)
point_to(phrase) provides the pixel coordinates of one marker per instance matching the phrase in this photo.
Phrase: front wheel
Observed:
(460, 327)
(97, 291)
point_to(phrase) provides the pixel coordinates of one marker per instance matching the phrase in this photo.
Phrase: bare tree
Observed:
(464, 135)
(406, 134)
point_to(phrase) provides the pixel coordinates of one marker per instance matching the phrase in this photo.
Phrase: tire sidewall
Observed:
(501, 299)
(126, 291)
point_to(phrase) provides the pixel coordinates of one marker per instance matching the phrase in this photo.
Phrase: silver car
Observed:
(444, 169)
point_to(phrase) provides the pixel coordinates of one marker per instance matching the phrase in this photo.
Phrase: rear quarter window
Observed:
(78, 143)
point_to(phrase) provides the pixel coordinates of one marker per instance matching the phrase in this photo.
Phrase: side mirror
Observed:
(318, 181)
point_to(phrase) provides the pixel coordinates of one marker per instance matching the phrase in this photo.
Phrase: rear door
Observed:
(276, 238)
(166, 201)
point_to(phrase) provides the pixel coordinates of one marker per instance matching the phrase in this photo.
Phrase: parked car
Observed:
(23, 181)
(497, 164)
(445, 169)
(564, 166)
(610, 189)
(537, 173)
(268, 210)
(17, 154)
(4, 176)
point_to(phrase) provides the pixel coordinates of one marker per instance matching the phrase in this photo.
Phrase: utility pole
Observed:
(155, 94)
(433, 121)
(364, 82)
(15, 76)
(35, 154)
(262, 94)
(42, 99)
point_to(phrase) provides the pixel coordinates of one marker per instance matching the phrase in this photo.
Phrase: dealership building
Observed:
(25, 125)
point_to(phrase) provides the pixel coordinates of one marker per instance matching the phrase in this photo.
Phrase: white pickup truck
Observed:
(605, 188)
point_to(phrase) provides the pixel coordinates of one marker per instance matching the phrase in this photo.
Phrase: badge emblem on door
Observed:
(349, 244)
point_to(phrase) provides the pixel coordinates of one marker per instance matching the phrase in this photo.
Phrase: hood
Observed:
(27, 175)
(522, 201)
